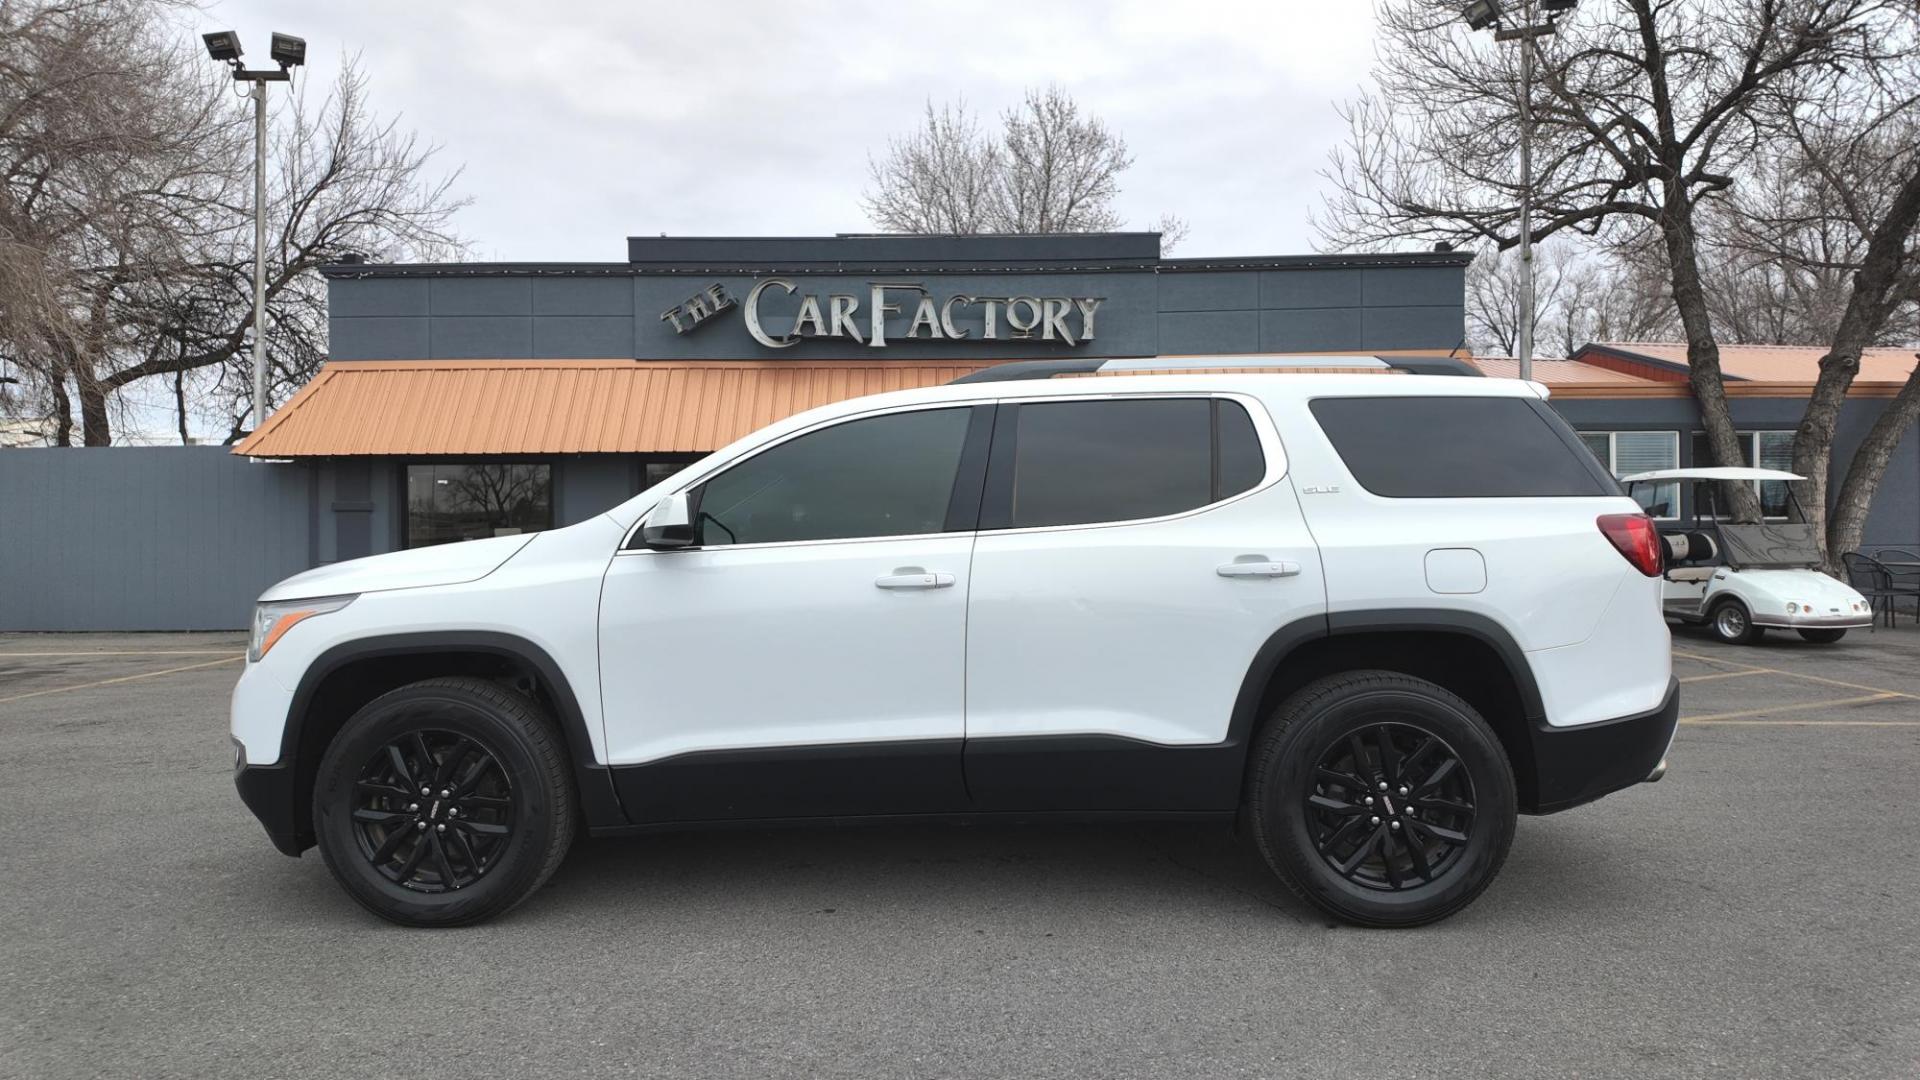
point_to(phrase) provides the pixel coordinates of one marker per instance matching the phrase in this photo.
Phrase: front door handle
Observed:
(1257, 567)
(912, 577)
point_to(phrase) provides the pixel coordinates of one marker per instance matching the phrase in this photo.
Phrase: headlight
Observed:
(272, 620)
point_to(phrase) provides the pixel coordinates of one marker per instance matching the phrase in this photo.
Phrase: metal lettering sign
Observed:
(1068, 320)
(690, 313)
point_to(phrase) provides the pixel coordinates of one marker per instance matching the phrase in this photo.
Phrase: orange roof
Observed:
(1557, 372)
(563, 406)
(1796, 364)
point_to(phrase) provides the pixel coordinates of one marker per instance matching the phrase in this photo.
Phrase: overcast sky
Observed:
(579, 124)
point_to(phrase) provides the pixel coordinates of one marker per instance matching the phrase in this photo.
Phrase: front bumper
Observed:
(1850, 621)
(1575, 765)
(268, 791)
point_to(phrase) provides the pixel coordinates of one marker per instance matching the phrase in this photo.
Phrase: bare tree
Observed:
(943, 178)
(1582, 294)
(1645, 113)
(1052, 169)
(125, 212)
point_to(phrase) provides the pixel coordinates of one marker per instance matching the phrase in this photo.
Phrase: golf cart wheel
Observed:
(1824, 636)
(1730, 623)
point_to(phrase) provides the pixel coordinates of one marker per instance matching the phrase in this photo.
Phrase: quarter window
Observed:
(448, 501)
(1458, 447)
(1081, 462)
(889, 475)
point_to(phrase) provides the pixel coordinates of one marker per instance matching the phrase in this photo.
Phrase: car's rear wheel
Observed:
(1824, 635)
(443, 803)
(1731, 623)
(1382, 799)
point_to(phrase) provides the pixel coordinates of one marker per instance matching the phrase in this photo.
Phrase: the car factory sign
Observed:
(862, 318)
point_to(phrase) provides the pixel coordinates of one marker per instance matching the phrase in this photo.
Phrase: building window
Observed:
(448, 501)
(1772, 450)
(1625, 453)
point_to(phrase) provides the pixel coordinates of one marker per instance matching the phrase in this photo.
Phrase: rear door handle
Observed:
(1257, 568)
(912, 577)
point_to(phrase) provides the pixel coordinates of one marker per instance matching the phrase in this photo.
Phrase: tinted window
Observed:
(1085, 461)
(1457, 447)
(1242, 465)
(449, 501)
(886, 476)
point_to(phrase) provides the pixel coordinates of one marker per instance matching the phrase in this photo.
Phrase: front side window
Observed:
(1084, 462)
(889, 475)
(448, 501)
(1626, 453)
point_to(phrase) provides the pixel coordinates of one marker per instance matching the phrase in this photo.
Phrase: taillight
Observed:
(1635, 538)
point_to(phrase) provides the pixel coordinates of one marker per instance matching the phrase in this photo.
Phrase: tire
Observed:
(1730, 622)
(1308, 744)
(1824, 636)
(484, 848)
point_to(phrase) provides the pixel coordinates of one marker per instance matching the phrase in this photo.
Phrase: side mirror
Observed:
(668, 525)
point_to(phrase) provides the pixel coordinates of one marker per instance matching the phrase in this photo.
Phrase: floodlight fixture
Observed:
(1481, 14)
(223, 45)
(288, 51)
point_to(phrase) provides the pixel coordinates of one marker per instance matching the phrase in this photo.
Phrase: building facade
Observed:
(477, 399)
(463, 400)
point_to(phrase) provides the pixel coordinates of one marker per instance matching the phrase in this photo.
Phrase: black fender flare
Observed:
(597, 796)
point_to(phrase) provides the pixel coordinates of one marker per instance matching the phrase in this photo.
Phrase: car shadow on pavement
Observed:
(1021, 873)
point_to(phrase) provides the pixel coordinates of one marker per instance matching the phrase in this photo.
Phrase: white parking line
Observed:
(121, 679)
(127, 652)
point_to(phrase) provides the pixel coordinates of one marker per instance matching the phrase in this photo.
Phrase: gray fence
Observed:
(145, 538)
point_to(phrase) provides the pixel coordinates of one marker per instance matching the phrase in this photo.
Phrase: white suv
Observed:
(1373, 616)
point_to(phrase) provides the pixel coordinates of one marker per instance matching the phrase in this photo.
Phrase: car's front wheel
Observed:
(1824, 635)
(1381, 798)
(443, 803)
(1731, 623)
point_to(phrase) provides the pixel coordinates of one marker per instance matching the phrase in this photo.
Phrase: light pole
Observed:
(288, 52)
(1479, 15)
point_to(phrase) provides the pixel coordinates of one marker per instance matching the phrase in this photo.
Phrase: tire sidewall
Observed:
(1745, 636)
(1288, 822)
(439, 709)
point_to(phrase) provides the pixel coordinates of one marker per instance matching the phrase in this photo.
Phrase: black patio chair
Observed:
(1871, 579)
(1906, 579)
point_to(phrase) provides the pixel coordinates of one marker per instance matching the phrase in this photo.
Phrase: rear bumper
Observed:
(268, 791)
(1575, 765)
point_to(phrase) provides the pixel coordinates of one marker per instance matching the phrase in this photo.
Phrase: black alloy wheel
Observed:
(1381, 798)
(445, 802)
(1391, 806)
(434, 810)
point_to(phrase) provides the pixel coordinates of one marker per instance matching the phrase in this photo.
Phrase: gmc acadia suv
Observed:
(1372, 615)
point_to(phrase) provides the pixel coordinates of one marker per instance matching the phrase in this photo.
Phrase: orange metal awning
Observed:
(452, 407)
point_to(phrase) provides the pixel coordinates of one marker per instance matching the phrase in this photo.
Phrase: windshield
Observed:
(1783, 544)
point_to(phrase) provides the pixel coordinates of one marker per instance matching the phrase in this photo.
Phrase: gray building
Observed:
(473, 399)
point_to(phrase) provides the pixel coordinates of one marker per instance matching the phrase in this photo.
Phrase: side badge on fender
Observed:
(1321, 489)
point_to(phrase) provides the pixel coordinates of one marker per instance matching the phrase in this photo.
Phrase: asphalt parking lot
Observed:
(1755, 914)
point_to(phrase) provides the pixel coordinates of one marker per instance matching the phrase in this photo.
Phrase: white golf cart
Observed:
(1741, 579)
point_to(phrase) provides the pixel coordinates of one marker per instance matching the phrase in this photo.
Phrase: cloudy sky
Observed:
(579, 124)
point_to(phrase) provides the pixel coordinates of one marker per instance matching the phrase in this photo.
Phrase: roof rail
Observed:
(1022, 370)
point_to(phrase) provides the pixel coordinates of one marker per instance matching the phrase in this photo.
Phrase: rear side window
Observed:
(1457, 447)
(1080, 462)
